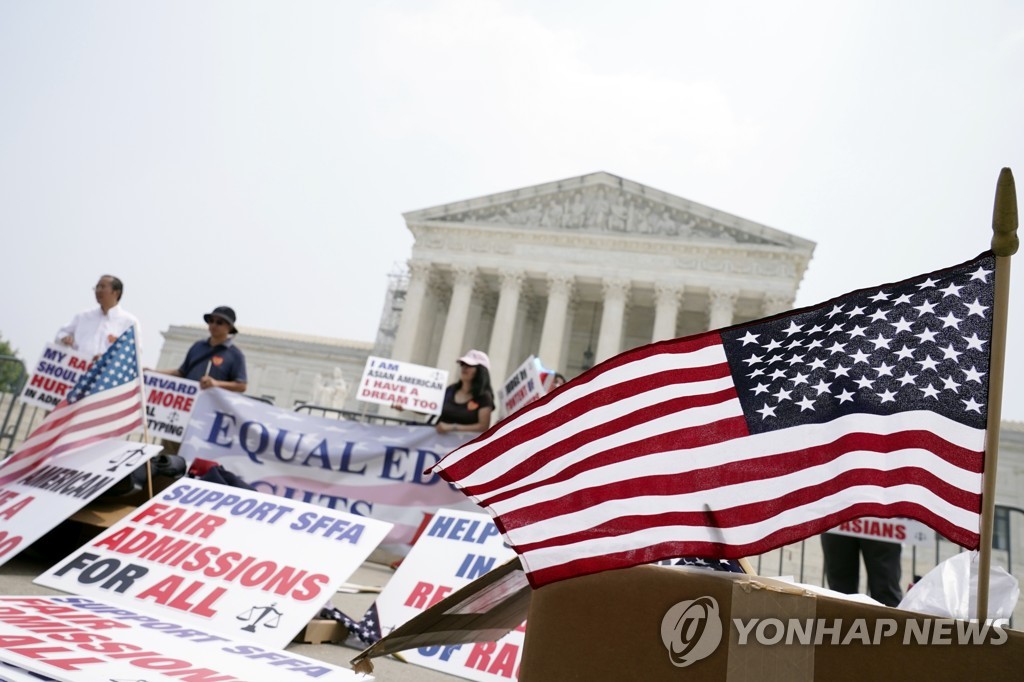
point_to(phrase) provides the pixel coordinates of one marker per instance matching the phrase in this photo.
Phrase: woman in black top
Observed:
(469, 402)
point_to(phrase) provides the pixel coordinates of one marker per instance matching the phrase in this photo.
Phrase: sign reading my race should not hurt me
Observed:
(58, 370)
(412, 387)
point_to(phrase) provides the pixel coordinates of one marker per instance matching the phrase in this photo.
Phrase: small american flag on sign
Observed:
(105, 403)
(735, 442)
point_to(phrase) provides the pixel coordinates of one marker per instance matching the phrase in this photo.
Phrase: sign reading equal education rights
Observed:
(411, 387)
(50, 493)
(231, 561)
(57, 371)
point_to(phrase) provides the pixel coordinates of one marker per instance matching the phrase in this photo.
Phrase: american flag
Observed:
(105, 403)
(734, 442)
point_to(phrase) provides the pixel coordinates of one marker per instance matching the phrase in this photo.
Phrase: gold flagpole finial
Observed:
(1004, 216)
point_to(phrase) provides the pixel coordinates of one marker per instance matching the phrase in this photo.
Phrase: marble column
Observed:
(464, 278)
(504, 324)
(666, 310)
(609, 339)
(721, 308)
(559, 291)
(410, 326)
(775, 302)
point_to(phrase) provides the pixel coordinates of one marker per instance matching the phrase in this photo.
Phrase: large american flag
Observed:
(105, 403)
(734, 442)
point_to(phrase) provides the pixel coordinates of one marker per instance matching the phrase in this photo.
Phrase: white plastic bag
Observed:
(951, 589)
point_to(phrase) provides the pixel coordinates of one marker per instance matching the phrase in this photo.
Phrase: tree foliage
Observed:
(11, 372)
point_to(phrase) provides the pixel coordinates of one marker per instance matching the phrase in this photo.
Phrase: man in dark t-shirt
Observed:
(215, 362)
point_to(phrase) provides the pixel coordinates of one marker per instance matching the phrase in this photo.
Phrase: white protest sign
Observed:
(50, 493)
(169, 403)
(522, 388)
(235, 562)
(413, 387)
(455, 548)
(76, 639)
(56, 373)
(903, 531)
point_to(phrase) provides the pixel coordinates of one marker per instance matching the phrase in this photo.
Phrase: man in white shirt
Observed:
(94, 331)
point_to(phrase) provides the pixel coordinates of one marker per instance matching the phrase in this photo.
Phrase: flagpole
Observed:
(145, 417)
(1004, 245)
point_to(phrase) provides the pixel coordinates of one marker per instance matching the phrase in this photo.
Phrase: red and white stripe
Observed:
(649, 457)
(110, 413)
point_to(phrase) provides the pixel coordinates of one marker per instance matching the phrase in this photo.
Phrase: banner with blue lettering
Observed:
(364, 469)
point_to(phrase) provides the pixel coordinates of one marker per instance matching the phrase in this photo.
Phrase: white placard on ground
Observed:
(903, 531)
(169, 403)
(455, 548)
(238, 563)
(42, 498)
(413, 387)
(77, 639)
(54, 375)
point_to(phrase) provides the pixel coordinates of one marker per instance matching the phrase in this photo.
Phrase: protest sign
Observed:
(169, 402)
(57, 371)
(903, 531)
(522, 388)
(413, 387)
(49, 494)
(455, 548)
(365, 469)
(77, 639)
(235, 562)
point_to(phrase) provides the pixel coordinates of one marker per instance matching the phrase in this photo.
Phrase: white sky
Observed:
(260, 154)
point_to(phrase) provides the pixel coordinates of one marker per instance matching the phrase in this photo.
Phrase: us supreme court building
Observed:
(578, 270)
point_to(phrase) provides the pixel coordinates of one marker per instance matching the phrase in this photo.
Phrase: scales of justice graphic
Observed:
(269, 615)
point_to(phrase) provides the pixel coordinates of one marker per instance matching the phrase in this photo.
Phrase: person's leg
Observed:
(842, 562)
(882, 560)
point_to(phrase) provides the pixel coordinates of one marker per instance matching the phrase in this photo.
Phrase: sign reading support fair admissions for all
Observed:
(50, 493)
(413, 387)
(366, 469)
(58, 370)
(169, 402)
(230, 561)
(902, 531)
(76, 639)
(455, 548)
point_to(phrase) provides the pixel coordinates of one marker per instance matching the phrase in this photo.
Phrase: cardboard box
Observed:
(609, 626)
(320, 630)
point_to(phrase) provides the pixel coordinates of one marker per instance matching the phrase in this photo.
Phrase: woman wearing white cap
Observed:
(469, 402)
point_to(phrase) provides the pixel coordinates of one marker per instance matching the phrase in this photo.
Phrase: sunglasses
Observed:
(217, 320)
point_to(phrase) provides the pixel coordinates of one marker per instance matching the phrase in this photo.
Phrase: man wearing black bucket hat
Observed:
(215, 362)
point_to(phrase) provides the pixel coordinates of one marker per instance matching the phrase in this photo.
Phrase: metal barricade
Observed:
(349, 415)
